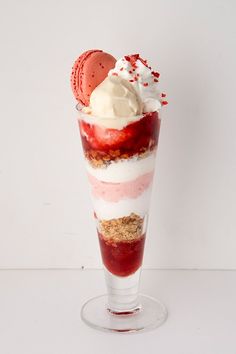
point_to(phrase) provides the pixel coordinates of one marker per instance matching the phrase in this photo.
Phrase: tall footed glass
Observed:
(120, 160)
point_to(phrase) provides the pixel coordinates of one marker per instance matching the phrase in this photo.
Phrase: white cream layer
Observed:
(123, 170)
(108, 210)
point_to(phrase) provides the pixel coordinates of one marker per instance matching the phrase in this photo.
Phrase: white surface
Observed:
(44, 209)
(40, 313)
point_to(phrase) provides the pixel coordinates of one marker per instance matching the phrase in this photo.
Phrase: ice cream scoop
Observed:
(115, 97)
(88, 71)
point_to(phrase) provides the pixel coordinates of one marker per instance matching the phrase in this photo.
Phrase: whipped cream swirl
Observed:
(145, 81)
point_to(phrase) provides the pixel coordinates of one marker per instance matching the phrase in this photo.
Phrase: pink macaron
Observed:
(88, 71)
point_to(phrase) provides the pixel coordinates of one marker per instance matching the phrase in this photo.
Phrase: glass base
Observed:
(150, 314)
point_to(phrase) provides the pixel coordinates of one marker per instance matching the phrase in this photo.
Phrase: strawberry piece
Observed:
(111, 137)
(87, 131)
(85, 128)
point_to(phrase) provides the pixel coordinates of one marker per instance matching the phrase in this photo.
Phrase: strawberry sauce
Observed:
(122, 258)
(109, 144)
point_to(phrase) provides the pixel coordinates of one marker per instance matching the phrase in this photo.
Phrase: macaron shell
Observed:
(77, 74)
(90, 69)
(95, 70)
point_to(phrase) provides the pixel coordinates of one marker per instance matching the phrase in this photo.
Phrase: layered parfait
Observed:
(119, 119)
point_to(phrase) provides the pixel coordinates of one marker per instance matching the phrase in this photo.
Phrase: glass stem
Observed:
(123, 293)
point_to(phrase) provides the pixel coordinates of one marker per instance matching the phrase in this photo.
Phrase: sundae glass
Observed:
(119, 120)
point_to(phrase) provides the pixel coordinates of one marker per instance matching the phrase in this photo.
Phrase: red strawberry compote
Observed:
(122, 258)
(102, 145)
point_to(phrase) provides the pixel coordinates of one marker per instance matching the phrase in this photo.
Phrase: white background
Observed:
(45, 214)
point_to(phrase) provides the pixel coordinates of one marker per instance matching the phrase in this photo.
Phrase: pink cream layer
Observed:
(113, 192)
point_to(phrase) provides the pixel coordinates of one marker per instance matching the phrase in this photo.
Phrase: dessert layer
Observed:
(122, 243)
(98, 159)
(113, 192)
(127, 228)
(122, 258)
(108, 210)
(102, 146)
(123, 170)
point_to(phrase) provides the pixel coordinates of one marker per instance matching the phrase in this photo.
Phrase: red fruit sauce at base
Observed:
(122, 258)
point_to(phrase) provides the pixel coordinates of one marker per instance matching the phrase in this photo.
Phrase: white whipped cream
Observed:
(123, 170)
(143, 79)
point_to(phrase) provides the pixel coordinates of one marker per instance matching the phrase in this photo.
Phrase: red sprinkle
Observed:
(156, 74)
(130, 71)
(164, 103)
(115, 74)
(163, 94)
(145, 84)
(132, 59)
(121, 69)
(155, 80)
(131, 80)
